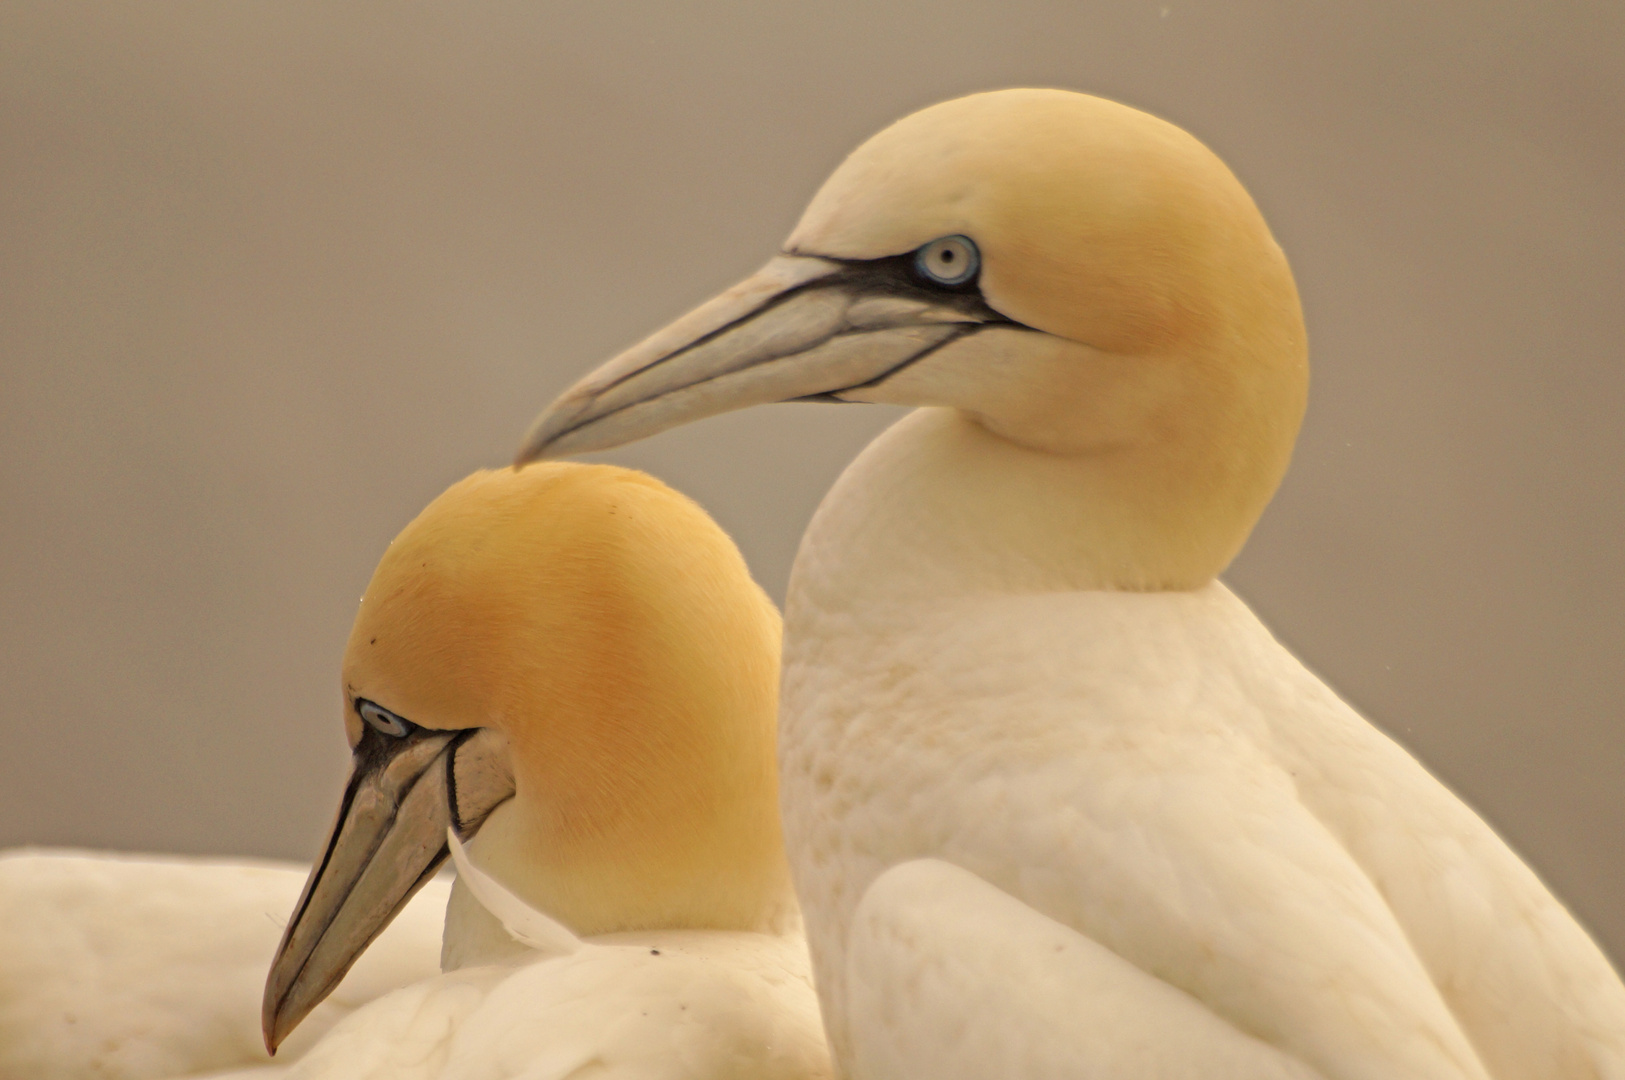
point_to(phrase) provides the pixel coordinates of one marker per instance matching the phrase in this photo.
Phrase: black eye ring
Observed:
(382, 720)
(948, 260)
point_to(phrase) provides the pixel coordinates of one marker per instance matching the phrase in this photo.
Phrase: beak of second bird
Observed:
(388, 840)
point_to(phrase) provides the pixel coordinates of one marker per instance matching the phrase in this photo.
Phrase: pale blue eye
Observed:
(382, 720)
(950, 260)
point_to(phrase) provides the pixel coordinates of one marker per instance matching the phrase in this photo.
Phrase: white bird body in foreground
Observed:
(1056, 803)
(126, 967)
(643, 1005)
(671, 1016)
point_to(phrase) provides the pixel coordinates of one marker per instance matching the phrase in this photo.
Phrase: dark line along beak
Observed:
(388, 840)
(799, 328)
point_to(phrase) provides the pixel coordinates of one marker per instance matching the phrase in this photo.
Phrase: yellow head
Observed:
(572, 665)
(1126, 309)
(607, 627)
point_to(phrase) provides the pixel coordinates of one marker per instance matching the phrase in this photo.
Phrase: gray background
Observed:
(272, 275)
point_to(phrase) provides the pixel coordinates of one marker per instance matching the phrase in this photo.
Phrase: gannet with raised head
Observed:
(1057, 804)
(570, 668)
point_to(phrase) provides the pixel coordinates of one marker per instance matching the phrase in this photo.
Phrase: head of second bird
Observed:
(611, 631)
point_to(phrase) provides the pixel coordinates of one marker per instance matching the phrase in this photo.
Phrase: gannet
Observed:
(1057, 804)
(570, 669)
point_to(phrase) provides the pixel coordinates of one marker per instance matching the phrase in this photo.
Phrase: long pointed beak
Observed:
(799, 328)
(388, 840)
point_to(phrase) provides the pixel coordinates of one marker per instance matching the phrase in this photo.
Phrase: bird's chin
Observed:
(473, 936)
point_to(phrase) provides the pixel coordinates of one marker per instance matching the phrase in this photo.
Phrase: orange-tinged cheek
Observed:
(589, 741)
(624, 730)
(1090, 292)
(1118, 270)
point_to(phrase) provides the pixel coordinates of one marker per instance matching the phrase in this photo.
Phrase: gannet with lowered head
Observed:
(569, 667)
(1057, 804)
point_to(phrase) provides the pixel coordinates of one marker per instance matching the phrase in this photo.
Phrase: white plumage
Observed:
(652, 1005)
(1155, 772)
(125, 967)
(1056, 804)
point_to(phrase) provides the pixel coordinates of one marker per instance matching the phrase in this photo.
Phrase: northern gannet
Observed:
(570, 668)
(1057, 804)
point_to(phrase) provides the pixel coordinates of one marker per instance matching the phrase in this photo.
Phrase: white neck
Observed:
(938, 506)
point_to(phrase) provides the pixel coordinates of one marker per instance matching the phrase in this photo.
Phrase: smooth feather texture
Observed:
(126, 967)
(655, 1005)
(691, 1005)
(935, 951)
(1170, 783)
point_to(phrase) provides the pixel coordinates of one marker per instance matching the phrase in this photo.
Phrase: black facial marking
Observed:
(892, 275)
(370, 757)
(897, 275)
(457, 822)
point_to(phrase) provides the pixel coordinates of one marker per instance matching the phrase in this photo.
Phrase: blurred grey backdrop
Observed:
(272, 275)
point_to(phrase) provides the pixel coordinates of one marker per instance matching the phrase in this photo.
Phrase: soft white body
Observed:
(1193, 858)
(535, 1001)
(135, 967)
(664, 1005)
(140, 968)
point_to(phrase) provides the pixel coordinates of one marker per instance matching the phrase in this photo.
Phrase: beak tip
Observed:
(551, 428)
(272, 1024)
(533, 449)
